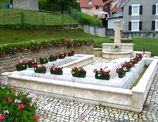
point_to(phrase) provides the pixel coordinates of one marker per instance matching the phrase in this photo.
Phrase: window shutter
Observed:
(153, 25)
(140, 25)
(141, 10)
(129, 25)
(154, 9)
(130, 10)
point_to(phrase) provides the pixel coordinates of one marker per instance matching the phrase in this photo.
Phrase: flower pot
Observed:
(80, 75)
(56, 72)
(61, 56)
(102, 77)
(121, 75)
(40, 71)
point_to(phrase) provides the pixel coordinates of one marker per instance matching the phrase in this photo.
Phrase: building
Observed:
(21, 4)
(92, 7)
(116, 13)
(26, 4)
(140, 16)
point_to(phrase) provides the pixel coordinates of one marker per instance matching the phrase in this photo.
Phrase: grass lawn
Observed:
(15, 36)
(19, 16)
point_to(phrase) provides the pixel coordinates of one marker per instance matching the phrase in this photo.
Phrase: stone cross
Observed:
(117, 31)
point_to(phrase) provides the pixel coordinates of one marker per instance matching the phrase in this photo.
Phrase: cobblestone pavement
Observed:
(61, 110)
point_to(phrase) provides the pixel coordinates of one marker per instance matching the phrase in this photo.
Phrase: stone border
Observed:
(109, 96)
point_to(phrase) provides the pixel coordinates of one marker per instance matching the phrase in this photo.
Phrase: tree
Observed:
(65, 4)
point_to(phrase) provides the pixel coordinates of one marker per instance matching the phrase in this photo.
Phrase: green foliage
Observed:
(21, 66)
(16, 105)
(85, 19)
(26, 18)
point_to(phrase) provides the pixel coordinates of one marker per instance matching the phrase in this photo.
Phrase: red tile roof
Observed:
(108, 1)
(84, 3)
(115, 9)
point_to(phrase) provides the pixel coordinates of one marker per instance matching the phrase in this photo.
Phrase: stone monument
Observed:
(117, 49)
(117, 31)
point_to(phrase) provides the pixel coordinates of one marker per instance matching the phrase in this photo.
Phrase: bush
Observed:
(86, 19)
(16, 105)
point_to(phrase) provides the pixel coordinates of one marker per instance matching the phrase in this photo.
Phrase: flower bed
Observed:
(126, 66)
(16, 105)
(78, 72)
(12, 49)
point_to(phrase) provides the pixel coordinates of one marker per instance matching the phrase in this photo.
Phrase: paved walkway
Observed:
(62, 110)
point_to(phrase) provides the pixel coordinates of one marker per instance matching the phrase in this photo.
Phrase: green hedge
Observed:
(85, 19)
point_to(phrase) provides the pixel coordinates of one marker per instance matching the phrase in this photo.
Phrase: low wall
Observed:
(103, 32)
(8, 63)
(45, 27)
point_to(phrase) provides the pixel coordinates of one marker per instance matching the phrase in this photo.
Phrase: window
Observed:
(135, 25)
(155, 25)
(96, 7)
(90, 3)
(135, 9)
(155, 9)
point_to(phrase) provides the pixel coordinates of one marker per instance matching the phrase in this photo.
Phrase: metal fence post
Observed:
(3, 18)
(43, 19)
(22, 18)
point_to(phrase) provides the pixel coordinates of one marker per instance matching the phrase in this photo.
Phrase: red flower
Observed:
(21, 106)
(2, 116)
(10, 99)
(36, 117)
(105, 73)
(14, 86)
(55, 69)
(123, 72)
(94, 70)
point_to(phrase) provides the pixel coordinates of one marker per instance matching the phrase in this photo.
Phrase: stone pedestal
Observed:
(117, 50)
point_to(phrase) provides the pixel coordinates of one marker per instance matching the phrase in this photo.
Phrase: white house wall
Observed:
(111, 23)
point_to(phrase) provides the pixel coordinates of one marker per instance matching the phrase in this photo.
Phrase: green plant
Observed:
(78, 72)
(16, 105)
(71, 52)
(121, 72)
(43, 60)
(53, 57)
(21, 66)
(32, 63)
(40, 69)
(102, 74)
(56, 70)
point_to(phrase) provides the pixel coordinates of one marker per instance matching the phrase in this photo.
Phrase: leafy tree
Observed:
(65, 4)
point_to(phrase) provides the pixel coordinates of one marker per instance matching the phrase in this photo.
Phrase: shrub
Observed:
(86, 19)
(16, 105)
